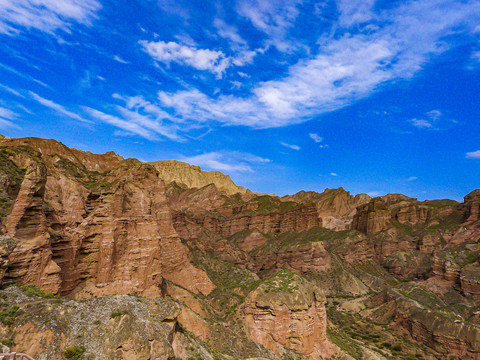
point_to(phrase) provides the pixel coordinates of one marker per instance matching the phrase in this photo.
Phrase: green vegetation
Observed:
(345, 343)
(35, 291)
(283, 280)
(118, 313)
(8, 342)
(9, 168)
(7, 317)
(74, 353)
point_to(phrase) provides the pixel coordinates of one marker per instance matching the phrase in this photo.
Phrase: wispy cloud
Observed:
(45, 15)
(10, 90)
(473, 155)
(274, 18)
(315, 137)
(421, 123)
(122, 124)
(333, 174)
(293, 147)
(6, 115)
(225, 161)
(120, 60)
(412, 178)
(200, 59)
(57, 107)
(139, 116)
(346, 68)
(433, 120)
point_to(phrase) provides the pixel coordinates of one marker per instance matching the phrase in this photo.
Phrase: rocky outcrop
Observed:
(299, 257)
(85, 233)
(472, 206)
(412, 214)
(31, 261)
(470, 280)
(117, 327)
(194, 177)
(7, 245)
(127, 243)
(335, 207)
(444, 334)
(446, 269)
(372, 217)
(298, 219)
(288, 312)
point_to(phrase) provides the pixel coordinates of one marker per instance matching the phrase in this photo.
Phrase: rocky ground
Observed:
(109, 258)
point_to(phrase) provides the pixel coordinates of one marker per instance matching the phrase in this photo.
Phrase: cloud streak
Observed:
(58, 108)
(236, 162)
(45, 15)
(346, 68)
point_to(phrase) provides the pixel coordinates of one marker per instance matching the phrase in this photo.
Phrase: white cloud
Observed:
(316, 137)
(140, 117)
(354, 12)
(200, 59)
(10, 90)
(7, 114)
(225, 161)
(412, 178)
(58, 108)
(473, 155)
(274, 18)
(434, 119)
(374, 193)
(45, 15)
(128, 126)
(435, 114)
(293, 147)
(333, 174)
(120, 60)
(421, 123)
(347, 67)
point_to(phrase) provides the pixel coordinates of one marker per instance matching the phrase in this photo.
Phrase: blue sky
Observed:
(374, 96)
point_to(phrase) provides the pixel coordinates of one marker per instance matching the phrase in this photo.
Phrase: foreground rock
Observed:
(288, 312)
(117, 327)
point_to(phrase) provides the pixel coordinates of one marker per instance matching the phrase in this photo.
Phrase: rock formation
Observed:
(287, 312)
(241, 271)
(194, 177)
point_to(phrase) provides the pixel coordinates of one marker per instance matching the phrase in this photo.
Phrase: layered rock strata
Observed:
(287, 312)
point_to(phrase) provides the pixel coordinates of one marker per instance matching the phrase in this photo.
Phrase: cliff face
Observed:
(85, 233)
(286, 312)
(194, 177)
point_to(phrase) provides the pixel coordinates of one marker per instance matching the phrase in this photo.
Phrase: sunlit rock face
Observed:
(88, 225)
(287, 312)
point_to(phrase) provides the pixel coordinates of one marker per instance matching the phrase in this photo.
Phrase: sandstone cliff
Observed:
(81, 232)
(194, 177)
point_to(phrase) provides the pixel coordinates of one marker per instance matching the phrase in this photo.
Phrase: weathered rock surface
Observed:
(194, 177)
(372, 217)
(472, 206)
(437, 331)
(470, 280)
(117, 327)
(85, 233)
(288, 312)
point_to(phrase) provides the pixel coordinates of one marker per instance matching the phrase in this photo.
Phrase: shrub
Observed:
(75, 352)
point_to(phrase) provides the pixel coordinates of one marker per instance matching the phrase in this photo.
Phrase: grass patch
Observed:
(118, 313)
(75, 352)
